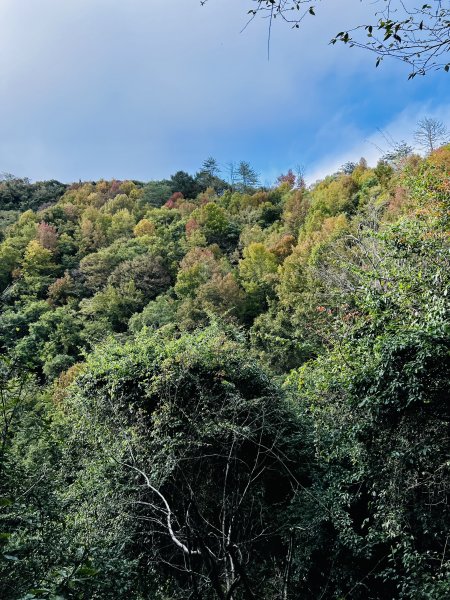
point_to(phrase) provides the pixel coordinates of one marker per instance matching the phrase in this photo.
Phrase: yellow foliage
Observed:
(144, 227)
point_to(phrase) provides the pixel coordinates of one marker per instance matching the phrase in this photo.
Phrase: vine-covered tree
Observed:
(213, 453)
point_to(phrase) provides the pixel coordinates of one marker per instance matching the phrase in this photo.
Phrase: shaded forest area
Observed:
(213, 390)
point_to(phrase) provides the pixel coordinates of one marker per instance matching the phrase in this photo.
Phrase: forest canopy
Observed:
(212, 389)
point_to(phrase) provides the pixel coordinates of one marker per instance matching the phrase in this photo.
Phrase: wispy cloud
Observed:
(373, 146)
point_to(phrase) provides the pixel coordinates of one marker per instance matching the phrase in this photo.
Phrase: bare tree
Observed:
(232, 170)
(394, 152)
(211, 534)
(430, 134)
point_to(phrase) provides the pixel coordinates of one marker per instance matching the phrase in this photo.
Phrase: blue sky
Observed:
(142, 88)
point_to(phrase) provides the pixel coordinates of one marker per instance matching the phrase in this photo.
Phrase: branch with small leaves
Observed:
(417, 35)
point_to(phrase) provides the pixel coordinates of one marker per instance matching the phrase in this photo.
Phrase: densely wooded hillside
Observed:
(215, 390)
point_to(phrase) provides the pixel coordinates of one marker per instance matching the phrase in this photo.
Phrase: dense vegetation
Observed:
(215, 390)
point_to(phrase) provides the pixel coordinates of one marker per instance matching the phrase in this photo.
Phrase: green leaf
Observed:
(87, 572)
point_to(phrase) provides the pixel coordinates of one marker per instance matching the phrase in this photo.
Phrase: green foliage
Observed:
(122, 224)
(185, 184)
(156, 193)
(144, 227)
(52, 481)
(196, 268)
(208, 176)
(53, 341)
(379, 401)
(110, 309)
(208, 437)
(258, 271)
(246, 176)
(19, 194)
(95, 268)
(37, 264)
(156, 314)
(149, 274)
(170, 463)
(381, 416)
(9, 259)
(213, 222)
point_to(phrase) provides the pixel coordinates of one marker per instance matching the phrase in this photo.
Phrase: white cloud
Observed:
(356, 145)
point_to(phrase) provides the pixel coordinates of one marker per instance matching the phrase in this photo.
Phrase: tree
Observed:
(119, 202)
(416, 33)
(47, 236)
(295, 210)
(222, 295)
(397, 154)
(231, 169)
(258, 271)
(37, 265)
(95, 268)
(158, 313)
(213, 222)
(20, 194)
(247, 177)
(9, 258)
(122, 224)
(50, 478)
(148, 273)
(144, 227)
(52, 343)
(208, 176)
(289, 178)
(196, 268)
(110, 309)
(156, 193)
(430, 134)
(348, 168)
(215, 456)
(184, 183)
(93, 229)
(211, 167)
(378, 405)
